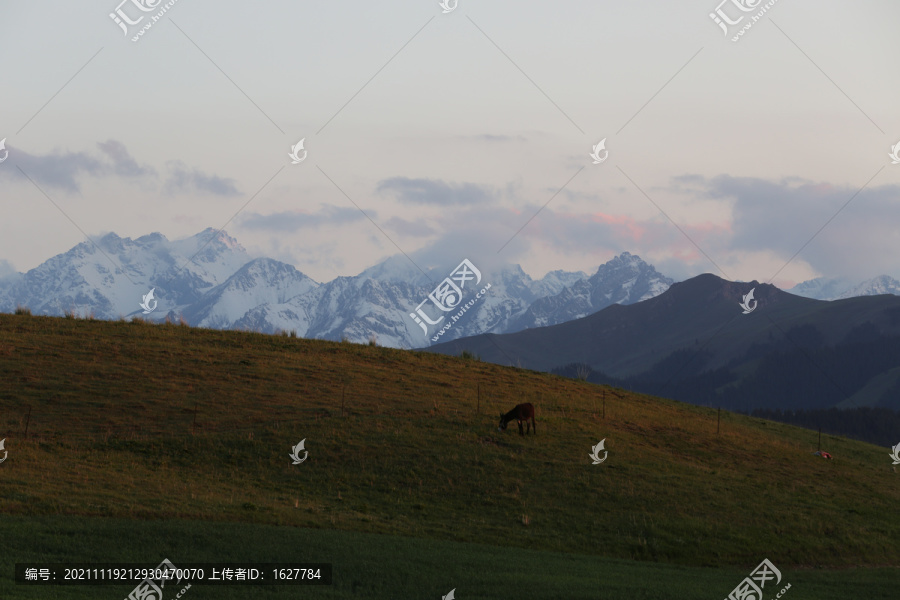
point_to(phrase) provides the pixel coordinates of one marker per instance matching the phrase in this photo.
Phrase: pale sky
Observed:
(452, 132)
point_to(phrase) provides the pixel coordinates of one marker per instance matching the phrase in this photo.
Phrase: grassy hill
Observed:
(149, 428)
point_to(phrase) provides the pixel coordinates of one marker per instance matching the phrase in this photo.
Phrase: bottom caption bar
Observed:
(156, 577)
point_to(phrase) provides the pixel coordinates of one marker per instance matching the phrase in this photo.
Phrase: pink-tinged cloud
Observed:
(632, 228)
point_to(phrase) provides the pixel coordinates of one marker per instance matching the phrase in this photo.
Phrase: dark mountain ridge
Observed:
(694, 343)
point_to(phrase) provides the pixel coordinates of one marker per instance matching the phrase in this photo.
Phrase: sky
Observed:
(460, 134)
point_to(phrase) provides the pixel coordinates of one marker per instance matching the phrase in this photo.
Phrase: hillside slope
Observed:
(161, 421)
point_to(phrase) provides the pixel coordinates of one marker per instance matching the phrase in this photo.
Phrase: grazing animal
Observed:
(520, 413)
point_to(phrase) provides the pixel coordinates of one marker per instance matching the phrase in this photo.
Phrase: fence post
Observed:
(718, 419)
(478, 407)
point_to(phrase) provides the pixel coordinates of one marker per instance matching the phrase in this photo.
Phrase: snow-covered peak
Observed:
(262, 281)
(822, 288)
(556, 281)
(396, 269)
(109, 276)
(882, 284)
(838, 288)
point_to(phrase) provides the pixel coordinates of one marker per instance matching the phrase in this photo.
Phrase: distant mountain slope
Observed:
(838, 288)
(873, 287)
(821, 288)
(692, 342)
(623, 340)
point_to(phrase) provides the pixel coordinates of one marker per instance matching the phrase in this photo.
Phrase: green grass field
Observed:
(385, 567)
(146, 442)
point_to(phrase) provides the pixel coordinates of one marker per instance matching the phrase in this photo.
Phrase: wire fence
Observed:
(71, 424)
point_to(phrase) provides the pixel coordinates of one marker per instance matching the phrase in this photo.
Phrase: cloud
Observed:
(435, 192)
(838, 230)
(62, 170)
(296, 220)
(417, 228)
(182, 179)
(123, 163)
(602, 233)
(489, 137)
(749, 227)
(59, 170)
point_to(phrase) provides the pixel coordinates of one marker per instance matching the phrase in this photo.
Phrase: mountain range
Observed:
(697, 343)
(209, 280)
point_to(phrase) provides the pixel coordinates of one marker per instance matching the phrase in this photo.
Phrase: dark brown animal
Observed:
(520, 413)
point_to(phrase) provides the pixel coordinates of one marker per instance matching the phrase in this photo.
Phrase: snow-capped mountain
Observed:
(838, 288)
(379, 301)
(211, 281)
(259, 282)
(821, 288)
(873, 287)
(625, 279)
(109, 279)
(556, 281)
